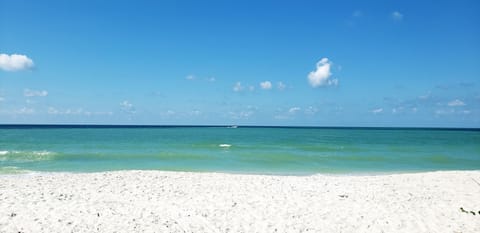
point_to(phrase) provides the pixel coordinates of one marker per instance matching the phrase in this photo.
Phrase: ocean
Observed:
(252, 150)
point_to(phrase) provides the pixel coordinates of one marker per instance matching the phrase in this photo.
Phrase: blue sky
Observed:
(311, 63)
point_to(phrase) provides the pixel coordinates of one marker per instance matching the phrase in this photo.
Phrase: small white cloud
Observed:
(192, 77)
(321, 75)
(289, 114)
(377, 110)
(398, 110)
(77, 111)
(245, 114)
(238, 87)
(15, 62)
(397, 16)
(293, 110)
(440, 112)
(126, 104)
(168, 113)
(426, 96)
(456, 103)
(25, 111)
(34, 93)
(267, 85)
(127, 107)
(195, 112)
(53, 111)
(310, 110)
(281, 86)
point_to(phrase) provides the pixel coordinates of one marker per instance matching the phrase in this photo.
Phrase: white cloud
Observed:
(426, 96)
(451, 112)
(53, 111)
(195, 112)
(74, 111)
(15, 62)
(192, 77)
(25, 111)
(33, 93)
(243, 114)
(398, 110)
(440, 112)
(456, 103)
(126, 104)
(267, 85)
(293, 110)
(168, 113)
(2, 99)
(310, 110)
(77, 111)
(246, 114)
(127, 107)
(321, 75)
(397, 16)
(377, 110)
(289, 114)
(281, 86)
(238, 87)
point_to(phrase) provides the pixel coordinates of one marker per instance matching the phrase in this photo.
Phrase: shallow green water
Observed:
(245, 150)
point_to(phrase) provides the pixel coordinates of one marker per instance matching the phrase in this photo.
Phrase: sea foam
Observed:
(25, 156)
(225, 145)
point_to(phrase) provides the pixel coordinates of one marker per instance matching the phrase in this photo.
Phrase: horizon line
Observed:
(224, 126)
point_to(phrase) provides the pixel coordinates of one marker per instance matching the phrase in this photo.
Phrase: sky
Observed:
(298, 63)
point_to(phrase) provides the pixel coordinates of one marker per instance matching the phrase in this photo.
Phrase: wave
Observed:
(26, 156)
(13, 170)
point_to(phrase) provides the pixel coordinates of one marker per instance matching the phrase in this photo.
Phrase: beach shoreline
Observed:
(164, 201)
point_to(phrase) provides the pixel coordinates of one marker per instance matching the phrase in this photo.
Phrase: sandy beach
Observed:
(156, 201)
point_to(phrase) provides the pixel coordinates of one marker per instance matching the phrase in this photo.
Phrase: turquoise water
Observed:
(237, 150)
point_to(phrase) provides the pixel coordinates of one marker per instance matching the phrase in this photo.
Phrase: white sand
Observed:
(154, 201)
